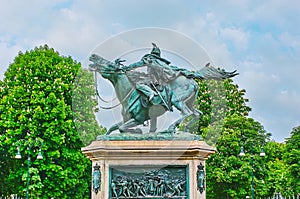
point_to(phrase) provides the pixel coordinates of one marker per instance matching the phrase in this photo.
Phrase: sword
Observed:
(168, 107)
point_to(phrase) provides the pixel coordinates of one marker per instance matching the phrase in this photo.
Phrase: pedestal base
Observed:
(148, 168)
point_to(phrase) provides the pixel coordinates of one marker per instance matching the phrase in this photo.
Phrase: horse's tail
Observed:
(213, 73)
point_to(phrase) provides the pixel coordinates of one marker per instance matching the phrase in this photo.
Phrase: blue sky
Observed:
(261, 39)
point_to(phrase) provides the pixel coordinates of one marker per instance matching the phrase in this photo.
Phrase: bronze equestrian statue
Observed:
(145, 96)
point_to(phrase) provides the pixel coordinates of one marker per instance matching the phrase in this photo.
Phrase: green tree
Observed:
(278, 179)
(292, 158)
(223, 124)
(5, 158)
(216, 101)
(228, 175)
(84, 106)
(36, 102)
(226, 125)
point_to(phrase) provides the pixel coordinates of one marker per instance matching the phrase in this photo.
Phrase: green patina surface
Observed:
(149, 181)
(164, 135)
(147, 95)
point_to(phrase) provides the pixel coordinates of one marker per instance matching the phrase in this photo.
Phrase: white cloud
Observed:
(290, 99)
(281, 13)
(260, 39)
(289, 40)
(6, 56)
(237, 36)
(205, 29)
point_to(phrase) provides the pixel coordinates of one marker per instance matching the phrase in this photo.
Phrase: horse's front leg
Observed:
(125, 127)
(113, 128)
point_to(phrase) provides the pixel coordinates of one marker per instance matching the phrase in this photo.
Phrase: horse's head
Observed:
(104, 66)
(100, 64)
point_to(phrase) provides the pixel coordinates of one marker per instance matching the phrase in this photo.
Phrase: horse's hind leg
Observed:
(197, 114)
(185, 111)
(113, 128)
(125, 127)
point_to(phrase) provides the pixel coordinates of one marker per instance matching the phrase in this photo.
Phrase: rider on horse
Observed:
(160, 72)
(173, 86)
(157, 68)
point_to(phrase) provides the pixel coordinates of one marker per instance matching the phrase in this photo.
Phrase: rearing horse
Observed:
(184, 91)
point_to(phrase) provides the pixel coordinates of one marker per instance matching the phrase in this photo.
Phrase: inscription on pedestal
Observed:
(149, 182)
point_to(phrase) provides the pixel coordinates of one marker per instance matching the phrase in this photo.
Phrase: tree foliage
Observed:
(228, 175)
(41, 100)
(36, 103)
(216, 101)
(278, 179)
(84, 106)
(226, 125)
(292, 158)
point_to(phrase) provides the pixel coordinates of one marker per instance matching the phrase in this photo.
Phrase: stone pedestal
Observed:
(148, 168)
